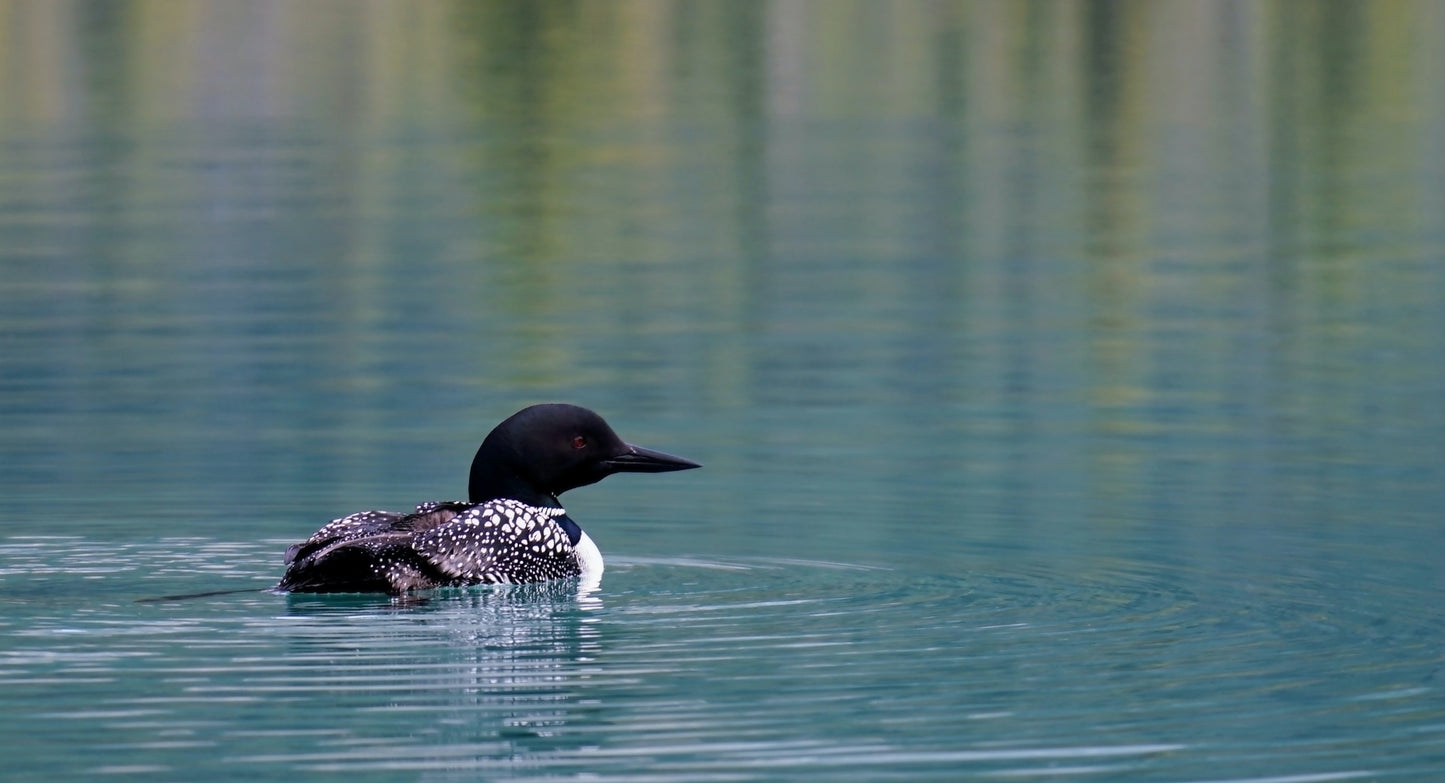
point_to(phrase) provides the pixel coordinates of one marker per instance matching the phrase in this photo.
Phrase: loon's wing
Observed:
(372, 523)
(379, 563)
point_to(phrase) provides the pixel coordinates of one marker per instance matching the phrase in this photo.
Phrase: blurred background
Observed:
(975, 265)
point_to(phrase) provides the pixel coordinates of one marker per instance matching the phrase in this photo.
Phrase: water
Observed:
(1067, 378)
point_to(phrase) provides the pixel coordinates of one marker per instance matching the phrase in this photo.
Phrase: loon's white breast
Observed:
(589, 558)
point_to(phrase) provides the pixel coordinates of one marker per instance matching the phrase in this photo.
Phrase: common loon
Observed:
(512, 528)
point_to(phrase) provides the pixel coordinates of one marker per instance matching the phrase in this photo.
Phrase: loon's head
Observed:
(544, 450)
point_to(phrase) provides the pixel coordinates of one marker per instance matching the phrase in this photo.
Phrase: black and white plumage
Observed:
(512, 529)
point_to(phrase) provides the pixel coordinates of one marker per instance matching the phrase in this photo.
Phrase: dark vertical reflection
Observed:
(515, 60)
(1105, 56)
(1023, 273)
(1111, 207)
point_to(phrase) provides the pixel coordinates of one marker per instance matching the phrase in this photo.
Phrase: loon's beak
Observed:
(639, 460)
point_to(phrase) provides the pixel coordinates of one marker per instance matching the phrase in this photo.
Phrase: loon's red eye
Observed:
(578, 442)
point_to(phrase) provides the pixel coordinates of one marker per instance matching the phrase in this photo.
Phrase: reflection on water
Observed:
(692, 669)
(266, 675)
(1067, 377)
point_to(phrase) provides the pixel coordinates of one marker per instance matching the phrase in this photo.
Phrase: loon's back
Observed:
(446, 544)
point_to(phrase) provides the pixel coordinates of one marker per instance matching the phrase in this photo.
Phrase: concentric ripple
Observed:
(702, 669)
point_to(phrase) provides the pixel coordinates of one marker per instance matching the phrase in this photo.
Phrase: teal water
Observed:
(1067, 377)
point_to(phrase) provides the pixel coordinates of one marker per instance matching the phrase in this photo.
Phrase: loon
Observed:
(511, 529)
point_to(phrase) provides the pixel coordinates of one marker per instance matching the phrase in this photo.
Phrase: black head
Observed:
(542, 451)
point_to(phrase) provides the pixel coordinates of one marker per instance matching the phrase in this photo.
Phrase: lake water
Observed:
(1068, 378)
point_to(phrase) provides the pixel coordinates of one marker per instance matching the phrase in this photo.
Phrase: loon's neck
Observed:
(487, 482)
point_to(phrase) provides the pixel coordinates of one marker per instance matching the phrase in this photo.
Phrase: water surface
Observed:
(1067, 377)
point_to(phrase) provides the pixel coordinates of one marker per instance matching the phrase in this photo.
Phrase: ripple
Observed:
(708, 669)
